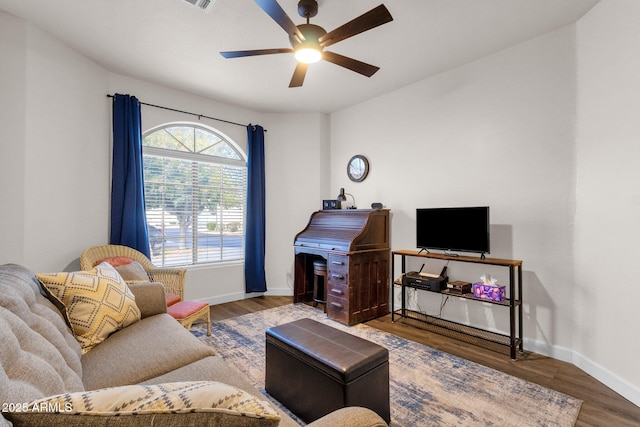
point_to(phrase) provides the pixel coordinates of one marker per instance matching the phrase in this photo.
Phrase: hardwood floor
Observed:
(602, 406)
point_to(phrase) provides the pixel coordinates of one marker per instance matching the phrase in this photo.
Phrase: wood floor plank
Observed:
(602, 406)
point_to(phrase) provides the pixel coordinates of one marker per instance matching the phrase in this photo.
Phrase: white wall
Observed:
(55, 149)
(13, 33)
(546, 133)
(66, 147)
(608, 195)
(497, 132)
(297, 164)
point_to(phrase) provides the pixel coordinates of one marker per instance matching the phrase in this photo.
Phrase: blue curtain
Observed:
(254, 275)
(128, 218)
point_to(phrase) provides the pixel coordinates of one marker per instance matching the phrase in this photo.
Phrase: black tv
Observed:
(463, 229)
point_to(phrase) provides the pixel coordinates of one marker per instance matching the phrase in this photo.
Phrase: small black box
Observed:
(459, 287)
(331, 205)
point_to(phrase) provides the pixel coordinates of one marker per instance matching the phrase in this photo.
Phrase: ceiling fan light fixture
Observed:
(308, 50)
(308, 55)
(308, 41)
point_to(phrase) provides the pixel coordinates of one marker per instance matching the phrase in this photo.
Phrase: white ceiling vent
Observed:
(202, 4)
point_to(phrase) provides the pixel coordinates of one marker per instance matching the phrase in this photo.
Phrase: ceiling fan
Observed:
(308, 41)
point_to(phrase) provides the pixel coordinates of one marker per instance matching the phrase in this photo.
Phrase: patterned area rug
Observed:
(427, 387)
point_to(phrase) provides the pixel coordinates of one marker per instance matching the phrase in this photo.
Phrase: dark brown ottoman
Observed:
(314, 369)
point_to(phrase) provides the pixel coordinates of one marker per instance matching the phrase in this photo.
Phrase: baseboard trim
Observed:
(237, 296)
(221, 299)
(606, 377)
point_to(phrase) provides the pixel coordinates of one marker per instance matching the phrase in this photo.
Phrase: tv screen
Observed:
(464, 229)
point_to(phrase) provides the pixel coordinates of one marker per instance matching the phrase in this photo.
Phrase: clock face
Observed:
(358, 168)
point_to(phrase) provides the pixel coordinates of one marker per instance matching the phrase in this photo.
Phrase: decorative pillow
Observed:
(132, 272)
(206, 402)
(97, 302)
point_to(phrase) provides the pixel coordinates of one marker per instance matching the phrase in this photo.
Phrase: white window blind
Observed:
(195, 192)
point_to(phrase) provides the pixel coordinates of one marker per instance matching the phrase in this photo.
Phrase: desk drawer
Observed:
(338, 309)
(338, 262)
(340, 290)
(338, 269)
(338, 278)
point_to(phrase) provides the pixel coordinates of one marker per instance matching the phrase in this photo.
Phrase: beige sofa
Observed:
(40, 358)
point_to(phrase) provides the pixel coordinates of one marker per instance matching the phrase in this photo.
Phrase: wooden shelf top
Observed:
(461, 258)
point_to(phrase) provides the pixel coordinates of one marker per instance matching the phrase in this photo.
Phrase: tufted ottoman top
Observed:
(337, 353)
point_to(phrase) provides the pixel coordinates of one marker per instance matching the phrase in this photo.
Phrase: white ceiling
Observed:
(173, 43)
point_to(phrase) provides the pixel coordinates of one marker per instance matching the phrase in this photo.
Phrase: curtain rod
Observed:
(199, 116)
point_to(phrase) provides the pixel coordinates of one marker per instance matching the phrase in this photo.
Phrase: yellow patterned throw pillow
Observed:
(97, 302)
(201, 403)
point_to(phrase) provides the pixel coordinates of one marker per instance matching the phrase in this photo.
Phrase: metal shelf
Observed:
(457, 330)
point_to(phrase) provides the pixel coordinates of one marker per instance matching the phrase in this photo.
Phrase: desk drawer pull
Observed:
(337, 262)
(337, 276)
(337, 305)
(337, 291)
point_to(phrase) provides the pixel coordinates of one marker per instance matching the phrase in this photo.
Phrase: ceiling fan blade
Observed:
(375, 17)
(275, 11)
(241, 53)
(298, 74)
(350, 63)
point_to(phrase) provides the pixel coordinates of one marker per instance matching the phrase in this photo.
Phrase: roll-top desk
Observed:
(355, 245)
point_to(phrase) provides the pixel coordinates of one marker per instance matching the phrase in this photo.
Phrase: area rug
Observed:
(427, 387)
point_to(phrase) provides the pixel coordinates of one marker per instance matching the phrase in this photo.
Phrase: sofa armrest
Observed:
(150, 298)
(351, 416)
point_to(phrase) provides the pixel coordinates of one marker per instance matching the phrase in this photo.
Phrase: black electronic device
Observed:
(464, 229)
(425, 281)
(331, 204)
(459, 287)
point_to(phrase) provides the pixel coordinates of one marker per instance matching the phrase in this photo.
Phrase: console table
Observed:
(513, 302)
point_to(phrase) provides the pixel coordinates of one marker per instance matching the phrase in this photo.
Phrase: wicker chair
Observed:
(172, 278)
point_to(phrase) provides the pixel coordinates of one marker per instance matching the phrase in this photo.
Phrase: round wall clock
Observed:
(358, 168)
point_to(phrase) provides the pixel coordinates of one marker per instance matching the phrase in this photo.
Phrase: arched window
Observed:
(195, 182)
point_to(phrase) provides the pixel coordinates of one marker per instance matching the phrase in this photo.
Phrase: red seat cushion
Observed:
(115, 261)
(172, 299)
(183, 309)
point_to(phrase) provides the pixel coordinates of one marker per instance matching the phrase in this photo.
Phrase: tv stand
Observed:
(447, 327)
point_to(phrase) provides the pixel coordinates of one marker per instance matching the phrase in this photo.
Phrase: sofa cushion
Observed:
(150, 298)
(147, 349)
(38, 354)
(212, 368)
(97, 302)
(211, 403)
